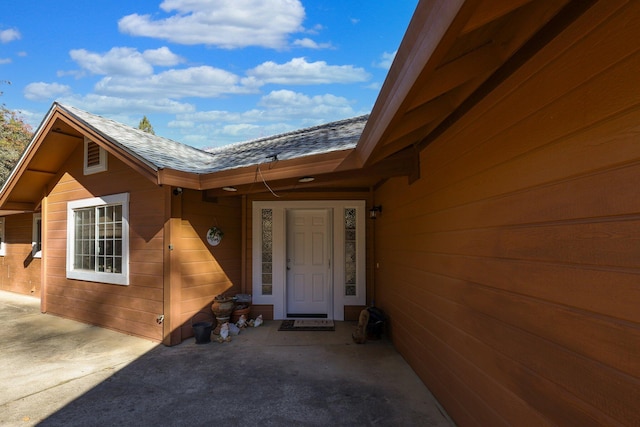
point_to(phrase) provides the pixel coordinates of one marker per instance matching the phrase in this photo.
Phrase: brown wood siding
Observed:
(207, 271)
(19, 271)
(132, 309)
(510, 270)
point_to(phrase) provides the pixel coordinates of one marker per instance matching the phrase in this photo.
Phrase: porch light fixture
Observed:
(373, 212)
(229, 188)
(306, 179)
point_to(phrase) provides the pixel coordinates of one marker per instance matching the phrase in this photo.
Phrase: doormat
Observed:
(307, 325)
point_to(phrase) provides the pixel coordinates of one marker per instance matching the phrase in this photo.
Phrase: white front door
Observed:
(308, 263)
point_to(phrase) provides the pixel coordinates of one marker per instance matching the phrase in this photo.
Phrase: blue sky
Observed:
(205, 72)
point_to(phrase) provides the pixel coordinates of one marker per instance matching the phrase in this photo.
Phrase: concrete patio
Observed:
(60, 372)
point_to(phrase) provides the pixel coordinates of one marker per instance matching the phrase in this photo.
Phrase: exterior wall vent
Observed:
(95, 157)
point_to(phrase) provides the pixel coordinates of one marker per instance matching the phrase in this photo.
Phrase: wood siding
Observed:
(510, 270)
(207, 271)
(19, 271)
(132, 309)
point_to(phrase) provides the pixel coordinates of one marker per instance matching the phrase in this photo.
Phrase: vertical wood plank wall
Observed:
(131, 309)
(19, 271)
(511, 270)
(207, 271)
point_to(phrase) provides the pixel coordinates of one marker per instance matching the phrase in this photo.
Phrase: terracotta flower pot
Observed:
(223, 307)
(239, 311)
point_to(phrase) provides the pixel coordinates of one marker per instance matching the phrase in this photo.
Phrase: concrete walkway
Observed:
(57, 372)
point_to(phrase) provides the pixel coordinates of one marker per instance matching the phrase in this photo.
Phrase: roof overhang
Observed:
(454, 53)
(56, 138)
(329, 173)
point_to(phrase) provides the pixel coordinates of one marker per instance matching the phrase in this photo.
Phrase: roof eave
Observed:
(276, 170)
(454, 54)
(22, 163)
(432, 24)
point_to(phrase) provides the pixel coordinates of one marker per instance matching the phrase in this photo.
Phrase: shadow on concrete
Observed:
(76, 374)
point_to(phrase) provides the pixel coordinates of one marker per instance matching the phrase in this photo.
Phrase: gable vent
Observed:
(95, 158)
(93, 154)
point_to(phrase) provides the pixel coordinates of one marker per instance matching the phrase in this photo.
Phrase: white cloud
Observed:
(279, 105)
(5, 61)
(181, 124)
(386, 59)
(101, 104)
(124, 61)
(286, 103)
(300, 72)
(9, 35)
(241, 129)
(310, 44)
(40, 91)
(162, 57)
(200, 82)
(222, 23)
(219, 116)
(280, 111)
(316, 29)
(74, 73)
(215, 134)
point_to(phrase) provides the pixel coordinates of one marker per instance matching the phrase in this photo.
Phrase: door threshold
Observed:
(306, 316)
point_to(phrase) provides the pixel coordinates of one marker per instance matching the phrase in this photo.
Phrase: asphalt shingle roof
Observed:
(329, 137)
(158, 152)
(161, 153)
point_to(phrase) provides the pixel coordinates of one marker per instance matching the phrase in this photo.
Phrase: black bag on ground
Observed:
(377, 320)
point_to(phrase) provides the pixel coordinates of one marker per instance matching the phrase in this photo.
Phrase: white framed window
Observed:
(36, 239)
(2, 239)
(95, 157)
(98, 239)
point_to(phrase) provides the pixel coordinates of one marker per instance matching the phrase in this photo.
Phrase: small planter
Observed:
(239, 311)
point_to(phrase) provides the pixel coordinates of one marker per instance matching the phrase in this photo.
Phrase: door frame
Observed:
(277, 298)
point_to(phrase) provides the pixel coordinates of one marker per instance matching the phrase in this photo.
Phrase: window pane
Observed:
(84, 247)
(38, 237)
(267, 251)
(117, 216)
(350, 249)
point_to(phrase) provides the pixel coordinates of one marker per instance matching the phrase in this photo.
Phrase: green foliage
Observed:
(145, 125)
(15, 135)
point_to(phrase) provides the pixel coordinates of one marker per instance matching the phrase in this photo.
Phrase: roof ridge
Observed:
(214, 150)
(70, 109)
